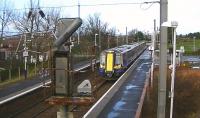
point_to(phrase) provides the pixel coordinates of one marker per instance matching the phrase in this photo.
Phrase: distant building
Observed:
(8, 47)
(12, 46)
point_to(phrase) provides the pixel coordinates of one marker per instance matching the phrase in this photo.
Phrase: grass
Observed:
(10, 82)
(186, 99)
(16, 79)
(188, 45)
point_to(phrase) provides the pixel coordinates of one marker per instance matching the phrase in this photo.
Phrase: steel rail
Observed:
(23, 92)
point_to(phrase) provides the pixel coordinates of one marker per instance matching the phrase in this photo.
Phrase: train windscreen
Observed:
(102, 58)
(118, 59)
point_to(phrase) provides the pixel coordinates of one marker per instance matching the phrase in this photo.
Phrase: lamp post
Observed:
(99, 36)
(126, 36)
(173, 25)
(95, 40)
(117, 40)
(108, 43)
(194, 49)
(25, 55)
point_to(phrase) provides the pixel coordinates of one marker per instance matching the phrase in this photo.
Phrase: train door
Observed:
(110, 62)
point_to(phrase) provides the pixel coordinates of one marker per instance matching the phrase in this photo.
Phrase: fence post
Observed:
(27, 72)
(19, 72)
(148, 92)
(0, 75)
(35, 69)
(9, 74)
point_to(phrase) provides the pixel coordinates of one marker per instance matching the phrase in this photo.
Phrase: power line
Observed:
(129, 3)
(112, 4)
(88, 5)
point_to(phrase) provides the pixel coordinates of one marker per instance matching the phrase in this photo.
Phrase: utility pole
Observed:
(162, 60)
(108, 43)
(25, 54)
(194, 49)
(99, 35)
(117, 40)
(95, 40)
(3, 21)
(153, 52)
(79, 17)
(154, 23)
(32, 11)
(38, 5)
(2, 24)
(126, 36)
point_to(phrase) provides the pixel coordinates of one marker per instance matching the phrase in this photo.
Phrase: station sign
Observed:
(25, 54)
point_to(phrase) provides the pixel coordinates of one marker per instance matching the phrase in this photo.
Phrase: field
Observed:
(191, 46)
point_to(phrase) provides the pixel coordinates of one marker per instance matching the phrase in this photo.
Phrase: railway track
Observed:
(18, 106)
(33, 104)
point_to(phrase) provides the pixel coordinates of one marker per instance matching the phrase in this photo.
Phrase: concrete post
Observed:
(163, 61)
(153, 52)
(126, 36)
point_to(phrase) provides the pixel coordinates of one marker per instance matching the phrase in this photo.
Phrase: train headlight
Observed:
(117, 66)
(102, 66)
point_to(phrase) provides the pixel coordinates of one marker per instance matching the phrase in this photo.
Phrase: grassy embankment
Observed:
(186, 99)
(192, 47)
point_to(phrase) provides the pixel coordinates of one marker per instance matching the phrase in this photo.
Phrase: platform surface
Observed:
(124, 103)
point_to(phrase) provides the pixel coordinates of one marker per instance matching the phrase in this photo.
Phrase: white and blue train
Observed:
(115, 61)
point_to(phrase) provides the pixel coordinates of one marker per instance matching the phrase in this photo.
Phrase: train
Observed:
(115, 61)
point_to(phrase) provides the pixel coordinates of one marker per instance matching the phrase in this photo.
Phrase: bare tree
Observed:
(29, 20)
(51, 19)
(35, 22)
(94, 25)
(5, 15)
(132, 35)
(111, 34)
(32, 21)
(91, 25)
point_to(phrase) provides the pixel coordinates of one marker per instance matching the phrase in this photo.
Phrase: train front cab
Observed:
(109, 65)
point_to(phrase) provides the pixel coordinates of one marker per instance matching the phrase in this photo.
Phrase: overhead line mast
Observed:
(162, 60)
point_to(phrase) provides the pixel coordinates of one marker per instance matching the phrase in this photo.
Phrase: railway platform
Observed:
(19, 89)
(126, 101)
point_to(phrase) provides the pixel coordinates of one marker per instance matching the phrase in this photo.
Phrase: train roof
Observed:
(123, 48)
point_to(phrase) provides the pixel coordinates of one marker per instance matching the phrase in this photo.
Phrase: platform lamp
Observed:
(95, 39)
(173, 25)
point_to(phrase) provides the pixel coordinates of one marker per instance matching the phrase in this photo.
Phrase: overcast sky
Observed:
(186, 12)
